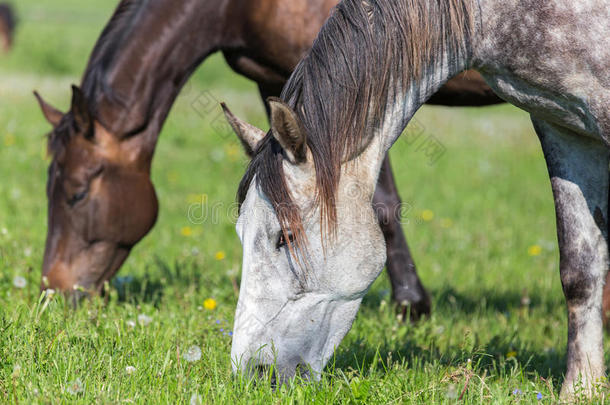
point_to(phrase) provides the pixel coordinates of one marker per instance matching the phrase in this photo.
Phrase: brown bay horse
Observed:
(7, 26)
(103, 147)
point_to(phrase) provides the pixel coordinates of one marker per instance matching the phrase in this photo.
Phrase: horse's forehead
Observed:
(257, 208)
(256, 203)
(256, 212)
(300, 180)
(78, 153)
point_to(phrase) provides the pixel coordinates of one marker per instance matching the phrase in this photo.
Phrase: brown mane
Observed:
(340, 87)
(122, 24)
(95, 84)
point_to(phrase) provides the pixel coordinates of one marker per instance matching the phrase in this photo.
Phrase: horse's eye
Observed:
(281, 242)
(80, 195)
(77, 197)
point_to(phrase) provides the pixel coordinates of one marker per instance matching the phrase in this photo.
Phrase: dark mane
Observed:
(95, 84)
(366, 51)
(60, 136)
(104, 53)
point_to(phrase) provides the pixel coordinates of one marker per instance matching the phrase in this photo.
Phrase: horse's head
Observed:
(100, 199)
(302, 283)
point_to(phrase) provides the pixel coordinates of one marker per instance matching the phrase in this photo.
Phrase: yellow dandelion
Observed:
(534, 250)
(511, 354)
(427, 215)
(446, 223)
(233, 151)
(9, 140)
(197, 198)
(172, 176)
(210, 304)
(186, 231)
(220, 255)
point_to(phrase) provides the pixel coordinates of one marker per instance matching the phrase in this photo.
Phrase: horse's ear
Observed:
(52, 114)
(287, 130)
(248, 134)
(80, 112)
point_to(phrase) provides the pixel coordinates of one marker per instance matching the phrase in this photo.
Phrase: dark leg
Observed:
(267, 91)
(407, 289)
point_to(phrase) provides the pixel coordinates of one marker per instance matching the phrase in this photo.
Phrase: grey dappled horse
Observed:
(311, 244)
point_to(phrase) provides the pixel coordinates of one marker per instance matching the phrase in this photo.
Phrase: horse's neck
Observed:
(134, 81)
(402, 105)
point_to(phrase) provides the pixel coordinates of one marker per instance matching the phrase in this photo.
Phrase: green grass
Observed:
(499, 321)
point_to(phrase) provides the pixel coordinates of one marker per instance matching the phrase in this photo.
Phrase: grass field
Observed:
(480, 222)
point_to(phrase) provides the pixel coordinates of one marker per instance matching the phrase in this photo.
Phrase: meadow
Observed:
(479, 219)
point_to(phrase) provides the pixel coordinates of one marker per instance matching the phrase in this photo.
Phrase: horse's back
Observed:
(274, 35)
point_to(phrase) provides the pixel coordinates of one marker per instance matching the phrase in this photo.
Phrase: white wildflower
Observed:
(16, 371)
(144, 319)
(195, 399)
(75, 387)
(452, 392)
(192, 354)
(19, 282)
(130, 370)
